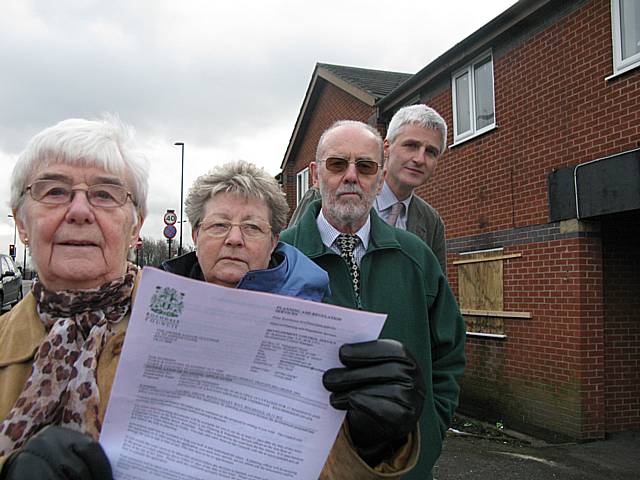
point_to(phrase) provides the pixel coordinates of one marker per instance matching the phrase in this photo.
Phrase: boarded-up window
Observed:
(481, 292)
(480, 282)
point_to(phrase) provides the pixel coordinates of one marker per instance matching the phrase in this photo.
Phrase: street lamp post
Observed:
(14, 236)
(181, 144)
(24, 249)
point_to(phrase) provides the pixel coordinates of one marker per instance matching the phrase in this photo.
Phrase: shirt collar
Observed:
(328, 233)
(386, 198)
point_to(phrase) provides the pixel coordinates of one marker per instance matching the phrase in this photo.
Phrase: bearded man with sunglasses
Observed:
(374, 266)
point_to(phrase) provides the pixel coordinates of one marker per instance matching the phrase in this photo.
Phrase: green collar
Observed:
(306, 236)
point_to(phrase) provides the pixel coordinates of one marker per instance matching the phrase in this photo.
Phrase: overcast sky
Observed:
(226, 78)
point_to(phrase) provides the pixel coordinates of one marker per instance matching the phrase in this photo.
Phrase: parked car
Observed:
(11, 282)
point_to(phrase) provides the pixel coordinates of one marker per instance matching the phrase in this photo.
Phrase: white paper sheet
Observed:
(222, 383)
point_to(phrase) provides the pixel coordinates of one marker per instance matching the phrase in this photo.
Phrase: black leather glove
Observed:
(57, 453)
(383, 390)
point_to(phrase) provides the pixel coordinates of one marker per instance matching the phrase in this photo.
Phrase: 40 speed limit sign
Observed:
(170, 218)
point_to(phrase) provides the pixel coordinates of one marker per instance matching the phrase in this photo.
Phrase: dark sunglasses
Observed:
(339, 165)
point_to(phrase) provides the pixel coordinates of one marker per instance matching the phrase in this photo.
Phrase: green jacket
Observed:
(401, 277)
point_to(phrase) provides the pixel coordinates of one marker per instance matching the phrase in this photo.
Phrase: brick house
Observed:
(540, 194)
(335, 92)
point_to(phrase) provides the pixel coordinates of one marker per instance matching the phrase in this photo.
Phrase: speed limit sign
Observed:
(170, 218)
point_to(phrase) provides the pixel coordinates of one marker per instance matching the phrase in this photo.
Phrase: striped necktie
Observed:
(396, 211)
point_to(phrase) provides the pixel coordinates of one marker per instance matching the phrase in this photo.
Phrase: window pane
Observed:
(302, 184)
(463, 104)
(484, 94)
(630, 27)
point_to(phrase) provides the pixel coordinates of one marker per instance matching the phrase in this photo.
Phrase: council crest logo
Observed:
(167, 301)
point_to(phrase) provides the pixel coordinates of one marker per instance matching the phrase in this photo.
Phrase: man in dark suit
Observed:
(416, 138)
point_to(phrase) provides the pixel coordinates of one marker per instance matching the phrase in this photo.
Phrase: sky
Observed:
(226, 78)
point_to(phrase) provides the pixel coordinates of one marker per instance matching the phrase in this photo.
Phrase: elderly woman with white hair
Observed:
(78, 195)
(237, 212)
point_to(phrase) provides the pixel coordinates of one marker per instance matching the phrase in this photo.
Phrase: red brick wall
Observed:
(333, 104)
(541, 377)
(553, 109)
(622, 326)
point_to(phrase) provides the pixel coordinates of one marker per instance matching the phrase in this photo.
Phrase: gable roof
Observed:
(377, 83)
(365, 84)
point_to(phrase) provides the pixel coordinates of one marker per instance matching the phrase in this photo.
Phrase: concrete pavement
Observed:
(500, 456)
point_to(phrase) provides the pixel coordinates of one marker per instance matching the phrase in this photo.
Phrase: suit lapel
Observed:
(416, 221)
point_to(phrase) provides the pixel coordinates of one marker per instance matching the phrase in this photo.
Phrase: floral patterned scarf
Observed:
(62, 388)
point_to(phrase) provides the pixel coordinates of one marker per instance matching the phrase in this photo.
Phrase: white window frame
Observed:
(469, 69)
(302, 184)
(620, 65)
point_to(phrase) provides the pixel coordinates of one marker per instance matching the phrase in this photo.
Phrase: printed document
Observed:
(220, 383)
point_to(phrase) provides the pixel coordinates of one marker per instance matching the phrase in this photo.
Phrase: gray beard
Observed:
(347, 213)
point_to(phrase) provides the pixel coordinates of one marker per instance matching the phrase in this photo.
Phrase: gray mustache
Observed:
(349, 189)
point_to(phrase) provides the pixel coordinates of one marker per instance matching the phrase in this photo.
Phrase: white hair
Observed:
(105, 144)
(420, 115)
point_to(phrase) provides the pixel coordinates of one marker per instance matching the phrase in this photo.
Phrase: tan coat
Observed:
(21, 333)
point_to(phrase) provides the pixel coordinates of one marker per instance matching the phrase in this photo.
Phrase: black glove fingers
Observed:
(95, 458)
(340, 400)
(396, 415)
(368, 428)
(58, 453)
(373, 352)
(368, 397)
(73, 472)
(405, 396)
(54, 445)
(365, 420)
(344, 379)
(23, 465)
(365, 430)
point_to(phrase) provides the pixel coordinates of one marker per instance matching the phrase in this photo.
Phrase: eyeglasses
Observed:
(339, 165)
(253, 229)
(55, 192)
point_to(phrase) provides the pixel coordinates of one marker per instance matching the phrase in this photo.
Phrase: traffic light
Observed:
(12, 251)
